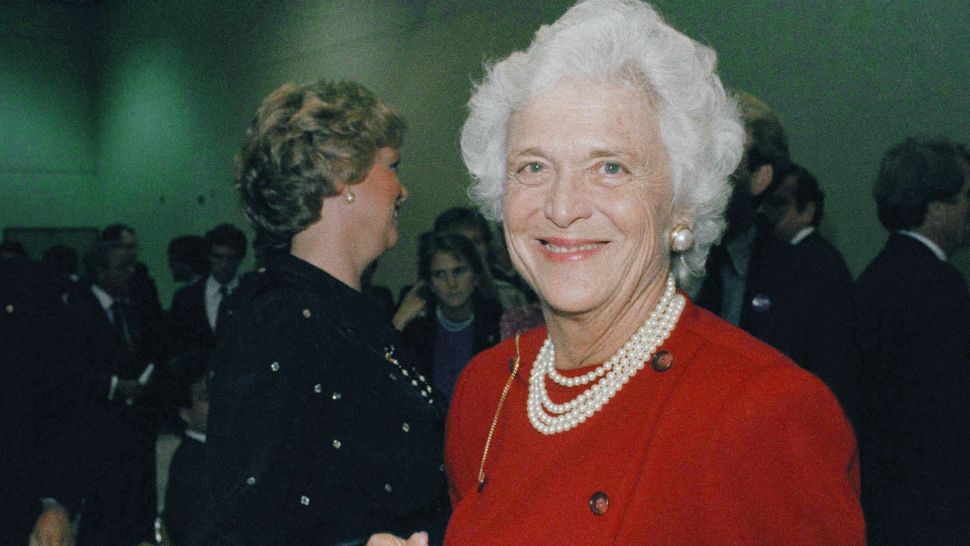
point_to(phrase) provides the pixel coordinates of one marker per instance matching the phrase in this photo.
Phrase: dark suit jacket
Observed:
(119, 449)
(187, 319)
(420, 334)
(798, 300)
(914, 333)
(314, 436)
(185, 490)
(40, 414)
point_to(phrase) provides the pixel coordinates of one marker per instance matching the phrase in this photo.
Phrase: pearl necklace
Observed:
(453, 325)
(549, 418)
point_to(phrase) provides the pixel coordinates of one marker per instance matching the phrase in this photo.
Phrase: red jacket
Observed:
(734, 444)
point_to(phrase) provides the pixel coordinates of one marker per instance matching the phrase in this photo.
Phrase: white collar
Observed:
(802, 233)
(104, 298)
(926, 241)
(195, 435)
(212, 285)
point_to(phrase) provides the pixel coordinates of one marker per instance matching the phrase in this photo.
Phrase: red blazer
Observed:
(733, 444)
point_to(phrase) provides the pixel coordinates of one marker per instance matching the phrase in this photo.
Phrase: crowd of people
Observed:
(678, 355)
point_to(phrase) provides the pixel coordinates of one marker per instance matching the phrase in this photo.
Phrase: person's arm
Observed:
(413, 304)
(782, 467)
(253, 417)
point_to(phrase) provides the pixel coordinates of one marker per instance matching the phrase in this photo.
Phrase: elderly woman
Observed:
(634, 417)
(320, 432)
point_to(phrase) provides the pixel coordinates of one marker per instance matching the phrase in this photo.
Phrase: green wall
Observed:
(132, 110)
(48, 166)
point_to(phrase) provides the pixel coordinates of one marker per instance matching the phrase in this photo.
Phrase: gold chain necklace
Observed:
(498, 411)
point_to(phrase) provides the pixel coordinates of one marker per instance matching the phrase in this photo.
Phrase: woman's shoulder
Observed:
(728, 345)
(732, 362)
(270, 320)
(266, 296)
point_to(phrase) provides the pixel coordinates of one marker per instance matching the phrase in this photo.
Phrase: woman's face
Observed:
(588, 196)
(377, 199)
(452, 279)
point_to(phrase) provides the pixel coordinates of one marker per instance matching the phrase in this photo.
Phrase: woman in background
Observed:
(459, 318)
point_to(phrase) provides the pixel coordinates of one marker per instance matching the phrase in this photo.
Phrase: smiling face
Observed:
(377, 199)
(588, 197)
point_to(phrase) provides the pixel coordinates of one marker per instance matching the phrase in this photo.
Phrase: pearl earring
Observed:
(349, 197)
(681, 238)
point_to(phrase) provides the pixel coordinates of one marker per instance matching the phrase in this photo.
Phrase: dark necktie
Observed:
(120, 323)
(223, 310)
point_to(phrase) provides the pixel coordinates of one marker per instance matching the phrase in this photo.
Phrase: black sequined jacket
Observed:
(315, 435)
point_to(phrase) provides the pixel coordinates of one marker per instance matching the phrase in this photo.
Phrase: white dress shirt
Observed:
(213, 298)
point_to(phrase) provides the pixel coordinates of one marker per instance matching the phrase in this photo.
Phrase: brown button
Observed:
(599, 503)
(662, 361)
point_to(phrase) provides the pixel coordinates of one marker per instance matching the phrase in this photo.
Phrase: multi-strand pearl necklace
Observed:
(608, 378)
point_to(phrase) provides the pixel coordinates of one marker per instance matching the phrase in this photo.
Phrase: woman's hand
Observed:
(412, 306)
(387, 539)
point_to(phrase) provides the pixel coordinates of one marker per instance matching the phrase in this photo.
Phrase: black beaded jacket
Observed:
(319, 430)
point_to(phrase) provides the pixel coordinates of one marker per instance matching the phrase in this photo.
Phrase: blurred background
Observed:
(132, 110)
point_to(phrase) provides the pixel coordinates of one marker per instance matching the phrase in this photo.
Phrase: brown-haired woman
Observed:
(458, 315)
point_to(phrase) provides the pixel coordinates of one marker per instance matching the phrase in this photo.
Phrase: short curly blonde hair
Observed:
(304, 142)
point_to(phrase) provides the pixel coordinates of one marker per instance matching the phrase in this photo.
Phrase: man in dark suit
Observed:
(197, 309)
(142, 292)
(39, 414)
(795, 297)
(913, 312)
(120, 449)
(800, 289)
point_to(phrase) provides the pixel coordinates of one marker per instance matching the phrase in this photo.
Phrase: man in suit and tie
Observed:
(913, 312)
(793, 297)
(119, 504)
(805, 285)
(142, 293)
(198, 309)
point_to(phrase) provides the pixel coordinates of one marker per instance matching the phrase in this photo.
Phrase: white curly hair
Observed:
(627, 42)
